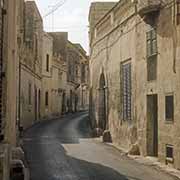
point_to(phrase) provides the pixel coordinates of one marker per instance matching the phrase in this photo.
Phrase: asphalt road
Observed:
(63, 150)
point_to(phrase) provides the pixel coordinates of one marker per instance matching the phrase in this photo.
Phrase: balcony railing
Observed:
(148, 6)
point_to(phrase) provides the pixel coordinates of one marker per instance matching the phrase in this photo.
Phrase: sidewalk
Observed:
(152, 161)
(148, 161)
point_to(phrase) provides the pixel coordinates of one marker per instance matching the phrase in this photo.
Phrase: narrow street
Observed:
(63, 150)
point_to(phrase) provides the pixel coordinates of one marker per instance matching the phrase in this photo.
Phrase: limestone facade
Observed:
(31, 66)
(47, 75)
(65, 85)
(8, 83)
(134, 77)
(77, 78)
(59, 73)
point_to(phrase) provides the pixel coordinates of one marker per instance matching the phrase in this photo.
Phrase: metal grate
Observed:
(169, 154)
(126, 90)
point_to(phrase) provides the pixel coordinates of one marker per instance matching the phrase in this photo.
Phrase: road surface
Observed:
(63, 150)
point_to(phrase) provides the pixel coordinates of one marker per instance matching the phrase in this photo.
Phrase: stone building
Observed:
(31, 66)
(83, 90)
(158, 97)
(97, 11)
(47, 75)
(134, 77)
(77, 85)
(59, 73)
(8, 83)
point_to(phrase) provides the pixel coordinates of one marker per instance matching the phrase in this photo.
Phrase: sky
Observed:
(71, 17)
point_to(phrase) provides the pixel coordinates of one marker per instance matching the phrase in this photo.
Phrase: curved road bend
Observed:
(63, 150)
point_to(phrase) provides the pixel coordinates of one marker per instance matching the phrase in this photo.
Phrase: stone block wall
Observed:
(126, 40)
(108, 52)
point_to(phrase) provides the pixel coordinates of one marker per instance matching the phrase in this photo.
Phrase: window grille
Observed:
(151, 54)
(151, 42)
(169, 154)
(126, 90)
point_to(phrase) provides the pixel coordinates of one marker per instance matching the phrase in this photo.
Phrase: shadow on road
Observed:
(48, 160)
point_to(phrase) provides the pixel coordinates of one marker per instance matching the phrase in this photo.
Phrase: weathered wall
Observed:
(97, 11)
(59, 73)
(77, 86)
(167, 82)
(120, 36)
(31, 66)
(29, 110)
(47, 75)
(9, 64)
(108, 50)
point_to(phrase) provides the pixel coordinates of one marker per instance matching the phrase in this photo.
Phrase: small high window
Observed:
(169, 154)
(169, 109)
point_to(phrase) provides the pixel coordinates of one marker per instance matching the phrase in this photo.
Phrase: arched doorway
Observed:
(102, 103)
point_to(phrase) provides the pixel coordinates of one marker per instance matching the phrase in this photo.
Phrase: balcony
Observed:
(146, 7)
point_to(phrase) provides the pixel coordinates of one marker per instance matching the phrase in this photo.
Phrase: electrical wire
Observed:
(55, 8)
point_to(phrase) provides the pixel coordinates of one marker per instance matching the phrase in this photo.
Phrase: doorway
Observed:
(152, 125)
(102, 103)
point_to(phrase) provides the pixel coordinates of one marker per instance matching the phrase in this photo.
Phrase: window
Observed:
(169, 154)
(152, 68)
(151, 42)
(126, 90)
(47, 62)
(46, 98)
(151, 55)
(178, 12)
(76, 70)
(30, 94)
(83, 73)
(169, 108)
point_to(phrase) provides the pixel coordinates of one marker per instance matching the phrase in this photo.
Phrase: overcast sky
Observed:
(71, 17)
